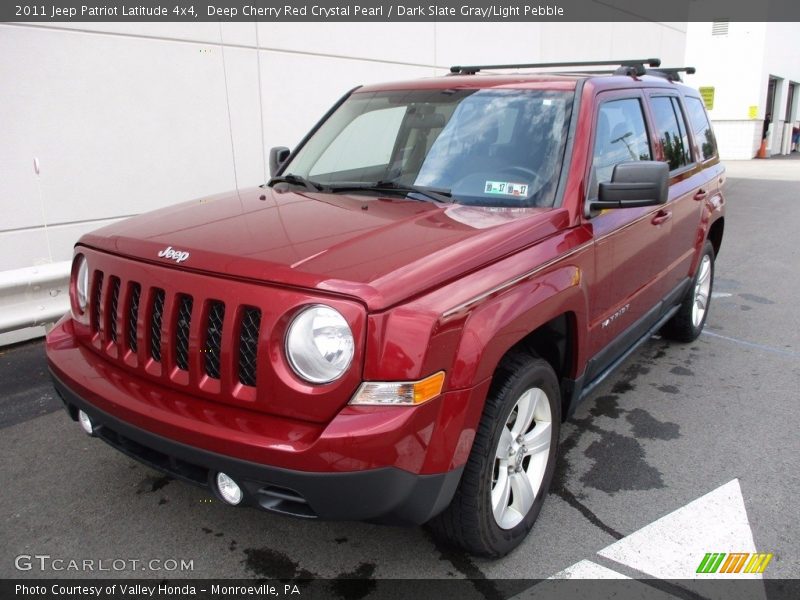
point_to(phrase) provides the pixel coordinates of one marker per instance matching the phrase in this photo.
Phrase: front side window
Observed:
(671, 128)
(703, 133)
(484, 147)
(621, 136)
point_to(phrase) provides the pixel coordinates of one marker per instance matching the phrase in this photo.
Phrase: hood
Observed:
(378, 250)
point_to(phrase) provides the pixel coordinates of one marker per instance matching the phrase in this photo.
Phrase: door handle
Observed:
(661, 217)
(700, 194)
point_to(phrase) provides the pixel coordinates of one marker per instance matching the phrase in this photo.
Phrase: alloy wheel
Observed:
(521, 458)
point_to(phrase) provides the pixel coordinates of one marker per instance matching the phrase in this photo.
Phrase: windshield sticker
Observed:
(506, 188)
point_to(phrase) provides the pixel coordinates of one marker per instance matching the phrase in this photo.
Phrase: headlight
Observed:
(81, 283)
(319, 344)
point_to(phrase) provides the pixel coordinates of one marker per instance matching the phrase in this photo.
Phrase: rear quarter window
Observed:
(703, 134)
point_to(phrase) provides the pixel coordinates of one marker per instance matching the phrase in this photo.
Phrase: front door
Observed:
(630, 243)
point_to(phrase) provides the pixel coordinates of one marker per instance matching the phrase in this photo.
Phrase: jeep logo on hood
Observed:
(177, 255)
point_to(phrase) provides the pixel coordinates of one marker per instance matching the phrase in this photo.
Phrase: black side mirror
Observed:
(277, 156)
(634, 184)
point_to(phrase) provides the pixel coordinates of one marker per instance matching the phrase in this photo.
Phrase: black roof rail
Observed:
(671, 73)
(634, 66)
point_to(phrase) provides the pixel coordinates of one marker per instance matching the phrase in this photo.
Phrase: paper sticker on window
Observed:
(506, 188)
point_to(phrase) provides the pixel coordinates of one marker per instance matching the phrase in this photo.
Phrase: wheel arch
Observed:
(543, 317)
(554, 341)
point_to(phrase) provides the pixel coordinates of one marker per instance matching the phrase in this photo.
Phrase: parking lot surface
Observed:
(686, 449)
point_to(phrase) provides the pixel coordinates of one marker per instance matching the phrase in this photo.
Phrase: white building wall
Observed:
(733, 65)
(128, 117)
(739, 65)
(782, 60)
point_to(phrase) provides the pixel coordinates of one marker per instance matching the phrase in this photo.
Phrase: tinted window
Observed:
(703, 134)
(671, 128)
(621, 137)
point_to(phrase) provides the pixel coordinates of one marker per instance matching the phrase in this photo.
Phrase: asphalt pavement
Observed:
(671, 426)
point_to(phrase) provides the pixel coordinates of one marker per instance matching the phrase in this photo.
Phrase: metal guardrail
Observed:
(33, 295)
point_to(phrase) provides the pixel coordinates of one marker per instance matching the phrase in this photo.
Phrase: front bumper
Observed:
(387, 495)
(384, 464)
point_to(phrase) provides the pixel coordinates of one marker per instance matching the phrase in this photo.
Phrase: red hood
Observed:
(379, 250)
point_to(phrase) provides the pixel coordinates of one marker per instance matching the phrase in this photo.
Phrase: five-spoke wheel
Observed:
(521, 458)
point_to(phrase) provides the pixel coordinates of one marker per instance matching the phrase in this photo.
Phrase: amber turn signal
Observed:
(406, 393)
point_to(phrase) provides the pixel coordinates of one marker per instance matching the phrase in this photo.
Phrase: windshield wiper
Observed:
(297, 180)
(438, 194)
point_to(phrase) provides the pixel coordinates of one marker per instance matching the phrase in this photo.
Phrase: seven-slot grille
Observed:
(145, 313)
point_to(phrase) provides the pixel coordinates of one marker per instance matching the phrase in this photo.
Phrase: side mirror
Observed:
(277, 156)
(634, 184)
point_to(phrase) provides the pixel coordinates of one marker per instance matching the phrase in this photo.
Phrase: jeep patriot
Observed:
(393, 328)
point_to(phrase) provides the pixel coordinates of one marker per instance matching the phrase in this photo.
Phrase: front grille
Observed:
(248, 345)
(155, 324)
(212, 351)
(182, 332)
(150, 329)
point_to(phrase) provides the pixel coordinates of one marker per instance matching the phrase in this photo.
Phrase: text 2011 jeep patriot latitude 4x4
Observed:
(393, 328)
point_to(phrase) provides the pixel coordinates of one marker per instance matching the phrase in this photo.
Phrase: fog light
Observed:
(228, 489)
(86, 422)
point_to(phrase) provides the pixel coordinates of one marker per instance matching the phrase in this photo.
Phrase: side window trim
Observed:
(680, 116)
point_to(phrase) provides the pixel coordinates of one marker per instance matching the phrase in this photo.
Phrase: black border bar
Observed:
(284, 11)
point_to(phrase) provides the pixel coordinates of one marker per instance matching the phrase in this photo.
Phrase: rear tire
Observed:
(510, 467)
(690, 319)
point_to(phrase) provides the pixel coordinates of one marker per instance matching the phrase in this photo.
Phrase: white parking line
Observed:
(673, 546)
(752, 344)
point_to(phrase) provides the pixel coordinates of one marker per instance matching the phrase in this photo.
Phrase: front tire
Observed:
(510, 467)
(690, 319)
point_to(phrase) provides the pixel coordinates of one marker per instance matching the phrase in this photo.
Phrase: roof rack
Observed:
(627, 67)
(671, 73)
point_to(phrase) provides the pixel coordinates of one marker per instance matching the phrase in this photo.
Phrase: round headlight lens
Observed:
(82, 283)
(319, 344)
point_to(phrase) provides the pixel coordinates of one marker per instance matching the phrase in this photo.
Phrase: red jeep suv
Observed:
(393, 328)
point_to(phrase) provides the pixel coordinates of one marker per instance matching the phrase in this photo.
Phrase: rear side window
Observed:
(703, 134)
(671, 128)
(621, 137)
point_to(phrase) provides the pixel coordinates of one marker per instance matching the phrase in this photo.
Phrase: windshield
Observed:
(485, 147)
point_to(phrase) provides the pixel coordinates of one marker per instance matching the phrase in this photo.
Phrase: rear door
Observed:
(690, 184)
